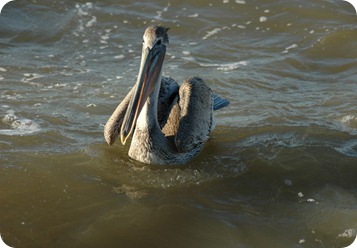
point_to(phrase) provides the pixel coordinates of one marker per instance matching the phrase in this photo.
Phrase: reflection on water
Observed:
(280, 167)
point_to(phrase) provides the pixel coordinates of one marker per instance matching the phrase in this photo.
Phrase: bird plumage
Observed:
(170, 122)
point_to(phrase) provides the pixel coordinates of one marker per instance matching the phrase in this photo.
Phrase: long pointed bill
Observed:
(151, 64)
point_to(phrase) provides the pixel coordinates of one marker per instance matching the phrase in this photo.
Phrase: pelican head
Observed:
(155, 40)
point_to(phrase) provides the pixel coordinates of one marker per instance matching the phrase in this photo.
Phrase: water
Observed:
(279, 171)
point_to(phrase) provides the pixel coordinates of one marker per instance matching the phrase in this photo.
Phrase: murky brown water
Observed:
(279, 171)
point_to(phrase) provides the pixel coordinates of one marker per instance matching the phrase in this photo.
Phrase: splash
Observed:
(19, 126)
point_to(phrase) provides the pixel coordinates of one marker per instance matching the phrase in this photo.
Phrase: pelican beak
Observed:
(149, 74)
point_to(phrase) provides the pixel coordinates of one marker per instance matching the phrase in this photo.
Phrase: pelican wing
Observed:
(113, 125)
(167, 99)
(196, 113)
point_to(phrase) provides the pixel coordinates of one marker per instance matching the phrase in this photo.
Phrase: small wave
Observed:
(348, 119)
(237, 1)
(2, 70)
(348, 148)
(225, 66)
(193, 15)
(193, 174)
(30, 77)
(86, 19)
(287, 49)
(211, 32)
(349, 123)
(19, 126)
(215, 162)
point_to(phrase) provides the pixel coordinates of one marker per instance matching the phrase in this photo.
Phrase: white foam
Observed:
(29, 77)
(105, 37)
(91, 22)
(120, 56)
(91, 105)
(61, 85)
(89, 5)
(347, 119)
(301, 241)
(193, 15)
(231, 66)
(291, 47)
(225, 66)
(210, 33)
(263, 19)
(349, 233)
(287, 49)
(19, 126)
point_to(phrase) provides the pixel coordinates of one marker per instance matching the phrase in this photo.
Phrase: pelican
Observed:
(168, 123)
